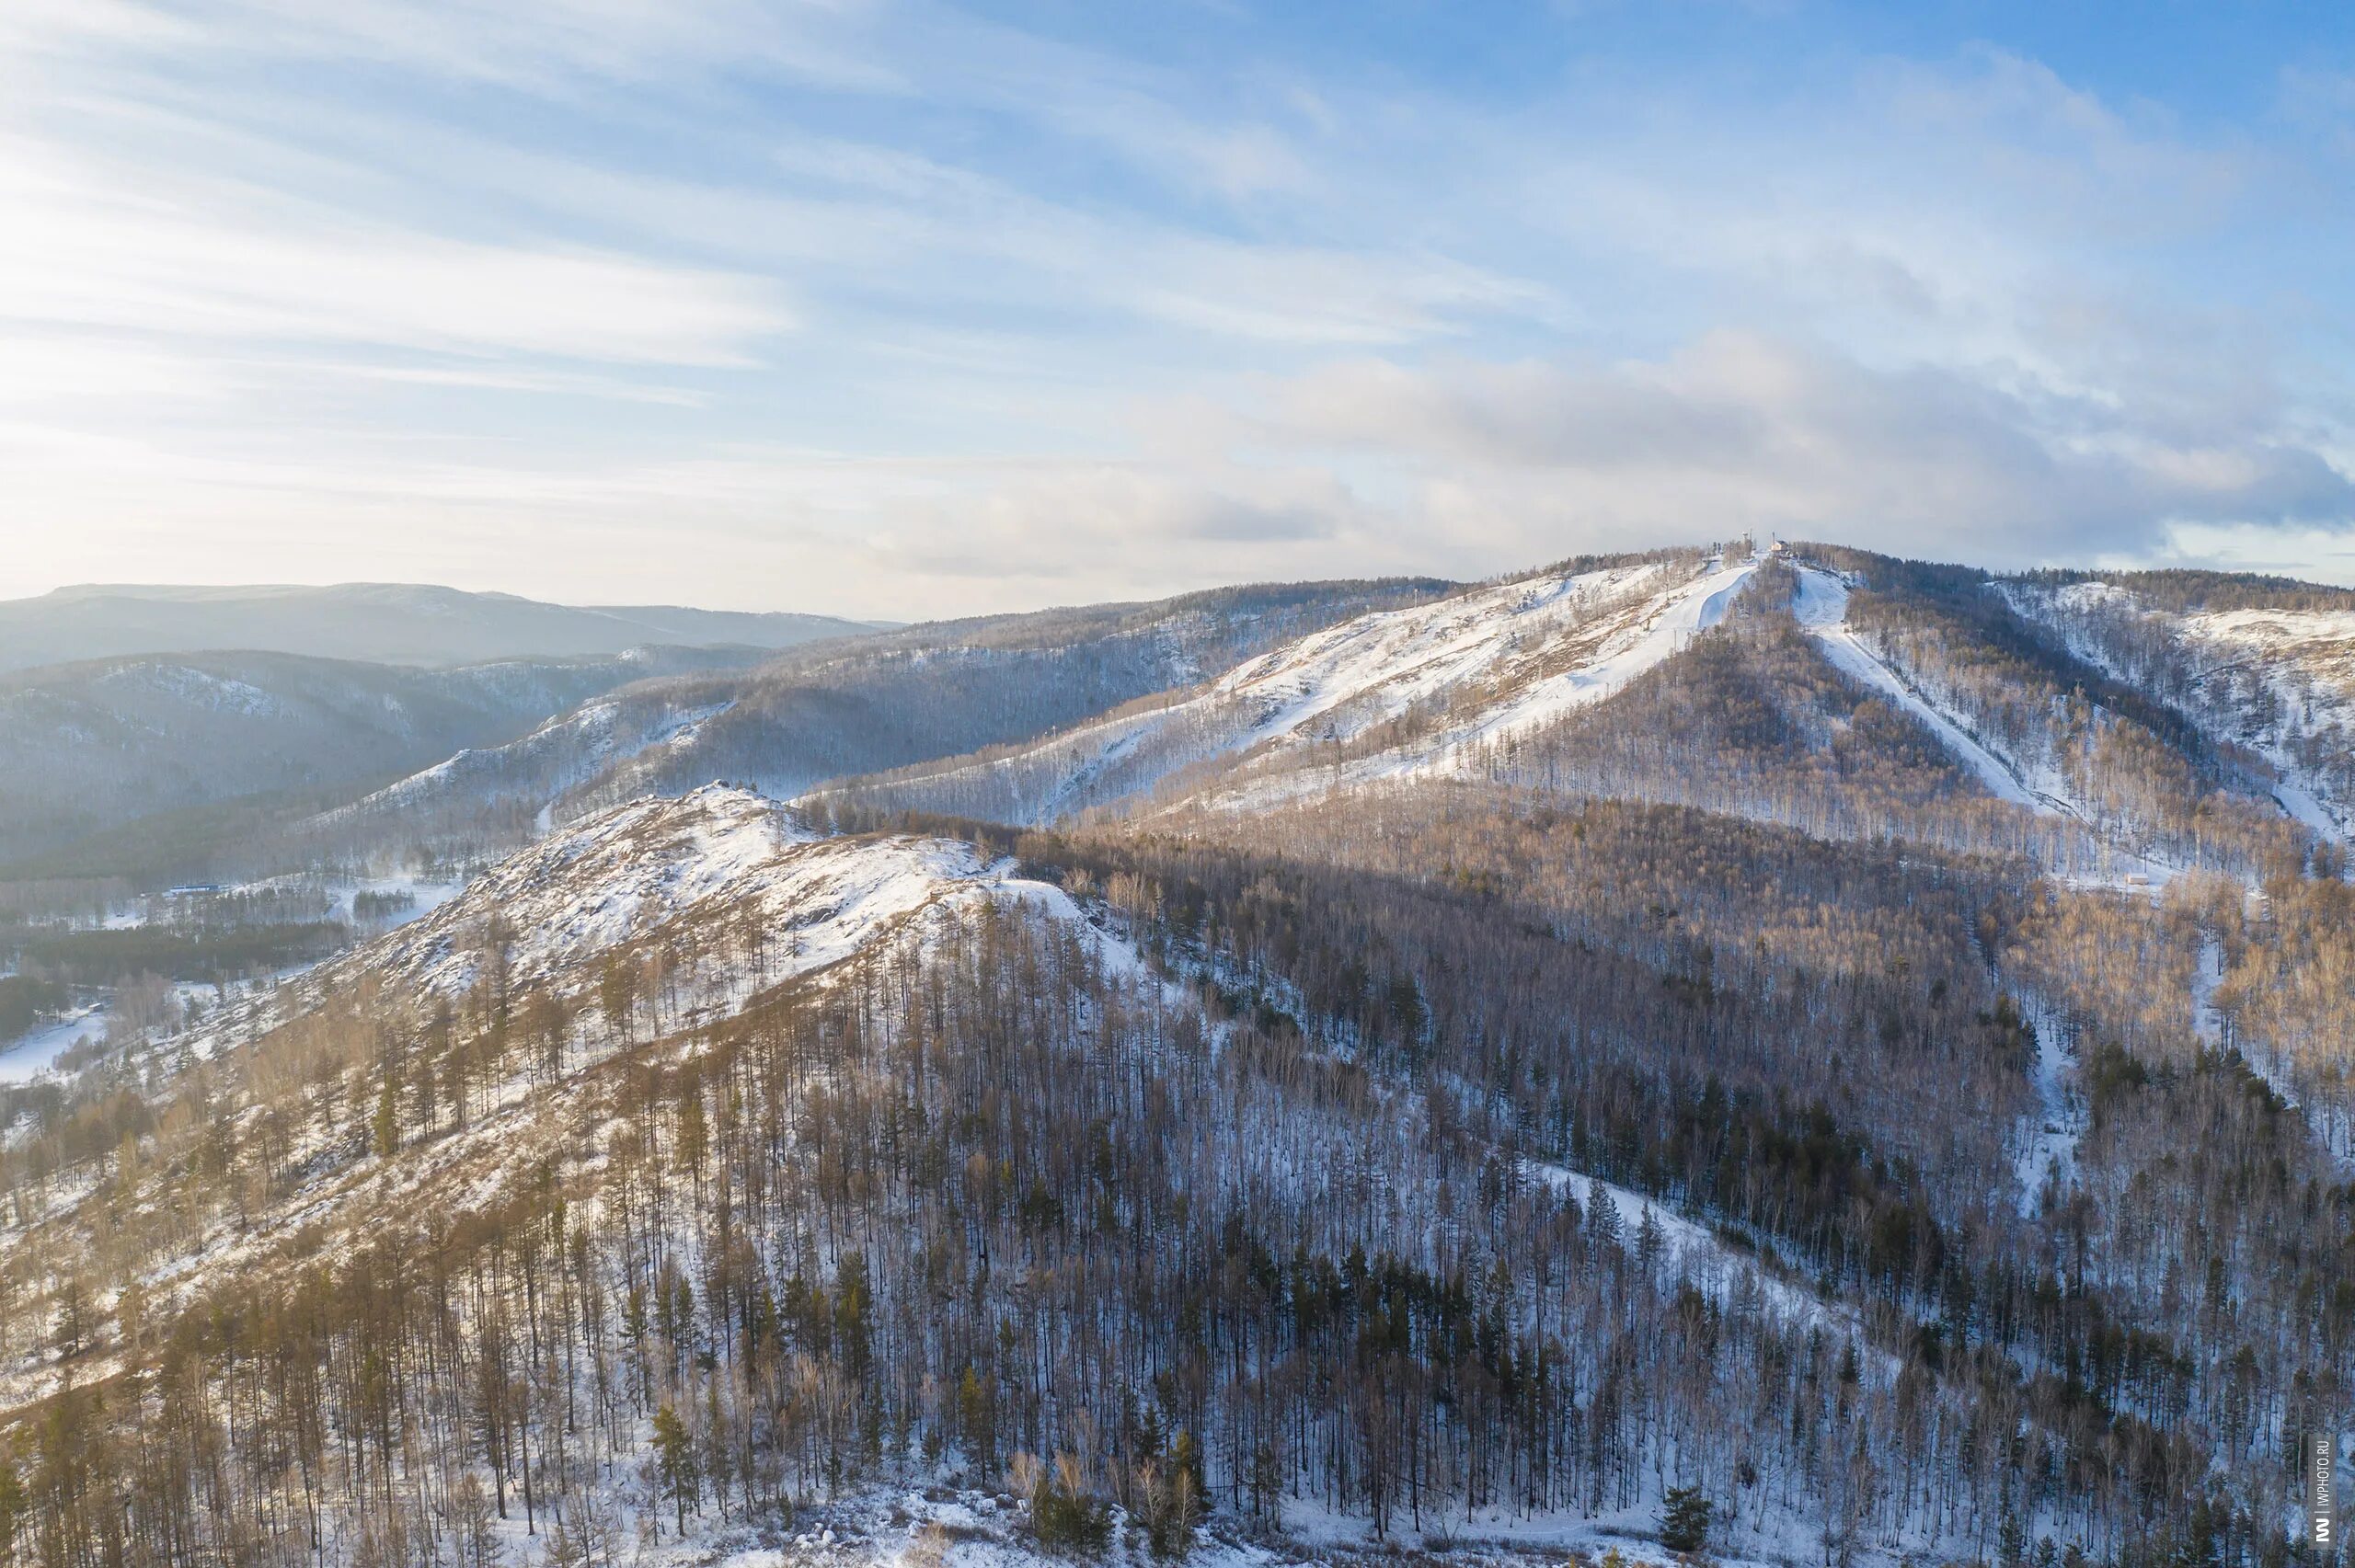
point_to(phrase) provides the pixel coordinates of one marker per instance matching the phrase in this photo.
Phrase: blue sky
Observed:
(910, 309)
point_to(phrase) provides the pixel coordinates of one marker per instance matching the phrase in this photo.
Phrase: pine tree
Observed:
(1602, 1215)
(617, 994)
(12, 1506)
(387, 1125)
(976, 1414)
(1685, 1519)
(674, 1460)
(2011, 1537)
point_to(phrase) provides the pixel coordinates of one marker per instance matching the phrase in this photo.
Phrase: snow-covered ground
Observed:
(30, 1055)
(424, 895)
(719, 853)
(562, 753)
(2307, 660)
(1691, 1250)
(1378, 666)
(1822, 609)
(629, 874)
(939, 1518)
(2048, 1147)
(1669, 621)
(2330, 1125)
(2261, 675)
(1449, 678)
(1508, 662)
(733, 862)
(724, 859)
(2305, 808)
(1820, 606)
(196, 1009)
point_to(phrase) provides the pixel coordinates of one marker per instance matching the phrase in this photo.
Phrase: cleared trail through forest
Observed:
(1821, 607)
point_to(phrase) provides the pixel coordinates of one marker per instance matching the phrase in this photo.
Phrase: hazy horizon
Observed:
(885, 620)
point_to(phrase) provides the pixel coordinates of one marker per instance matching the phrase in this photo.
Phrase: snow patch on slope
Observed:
(627, 873)
(564, 751)
(195, 687)
(1690, 1250)
(2305, 662)
(2048, 1151)
(1671, 620)
(1377, 666)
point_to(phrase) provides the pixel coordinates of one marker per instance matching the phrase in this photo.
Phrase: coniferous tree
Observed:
(1685, 1519)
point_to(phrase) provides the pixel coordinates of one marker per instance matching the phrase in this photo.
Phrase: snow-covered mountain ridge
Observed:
(895, 699)
(1413, 690)
(718, 861)
(686, 878)
(537, 768)
(2276, 680)
(708, 901)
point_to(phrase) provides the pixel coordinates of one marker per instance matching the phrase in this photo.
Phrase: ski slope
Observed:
(1383, 695)
(1820, 606)
(1670, 621)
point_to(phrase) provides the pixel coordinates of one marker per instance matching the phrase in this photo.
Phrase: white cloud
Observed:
(552, 46)
(90, 245)
(1743, 432)
(879, 537)
(936, 315)
(2069, 161)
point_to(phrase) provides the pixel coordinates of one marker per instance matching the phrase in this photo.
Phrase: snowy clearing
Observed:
(2047, 1152)
(29, 1055)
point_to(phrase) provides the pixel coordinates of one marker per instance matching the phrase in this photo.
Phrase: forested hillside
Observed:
(2266, 670)
(1784, 1059)
(884, 701)
(89, 749)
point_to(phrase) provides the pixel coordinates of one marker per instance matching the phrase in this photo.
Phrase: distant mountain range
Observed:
(89, 747)
(381, 623)
(155, 765)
